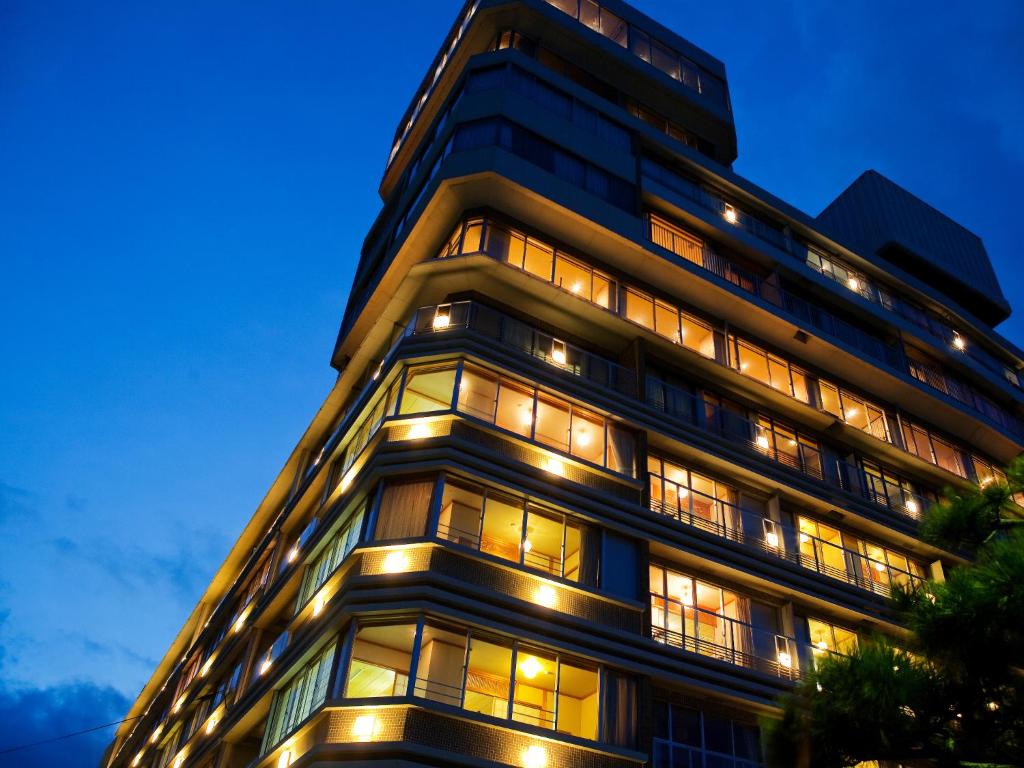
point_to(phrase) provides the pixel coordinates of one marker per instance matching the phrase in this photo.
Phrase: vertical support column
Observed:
(936, 572)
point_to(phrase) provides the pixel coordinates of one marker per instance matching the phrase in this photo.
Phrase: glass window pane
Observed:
(534, 701)
(461, 507)
(515, 408)
(428, 389)
(478, 392)
(573, 558)
(552, 423)
(439, 670)
(603, 292)
(639, 308)
(542, 547)
(380, 661)
(587, 436)
(538, 259)
(666, 321)
(577, 701)
(573, 277)
(502, 527)
(488, 673)
(621, 450)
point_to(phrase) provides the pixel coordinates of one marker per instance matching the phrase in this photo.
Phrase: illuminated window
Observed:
(769, 369)
(933, 449)
(854, 410)
(785, 445)
(822, 548)
(828, 638)
(693, 498)
(428, 389)
(380, 660)
(299, 698)
(331, 557)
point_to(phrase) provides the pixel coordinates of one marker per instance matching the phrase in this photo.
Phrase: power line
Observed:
(9, 750)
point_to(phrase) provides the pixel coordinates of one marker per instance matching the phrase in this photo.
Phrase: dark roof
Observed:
(887, 224)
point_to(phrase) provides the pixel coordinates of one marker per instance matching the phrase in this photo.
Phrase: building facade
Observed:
(620, 443)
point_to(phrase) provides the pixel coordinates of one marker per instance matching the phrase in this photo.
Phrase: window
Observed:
(330, 557)
(508, 527)
(493, 676)
(854, 410)
(821, 549)
(404, 507)
(890, 490)
(428, 389)
(303, 694)
(769, 369)
(688, 737)
(827, 638)
(785, 445)
(933, 449)
(668, 321)
(547, 419)
(693, 498)
(699, 617)
(380, 661)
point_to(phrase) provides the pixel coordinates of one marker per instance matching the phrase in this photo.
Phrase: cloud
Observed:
(14, 502)
(37, 714)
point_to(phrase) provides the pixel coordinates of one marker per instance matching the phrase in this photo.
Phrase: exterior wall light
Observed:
(958, 342)
(555, 467)
(785, 659)
(418, 431)
(730, 215)
(442, 318)
(531, 667)
(365, 727)
(545, 596)
(395, 562)
(772, 539)
(205, 669)
(558, 351)
(266, 665)
(762, 441)
(285, 759)
(853, 283)
(535, 757)
(293, 554)
(211, 725)
(319, 602)
(912, 506)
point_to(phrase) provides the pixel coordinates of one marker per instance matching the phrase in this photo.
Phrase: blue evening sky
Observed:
(184, 186)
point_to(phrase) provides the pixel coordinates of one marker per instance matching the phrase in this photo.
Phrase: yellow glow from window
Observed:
(853, 283)
(211, 725)
(958, 342)
(293, 554)
(821, 645)
(558, 355)
(772, 539)
(762, 442)
(441, 322)
(531, 667)
(785, 659)
(804, 538)
(879, 566)
(686, 593)
(583, 438)
(545, 596)
(240, 622)
(912, 506)
(364, 727)
(156, 734)
(527, 545)
(346, 481)
(205, 669)
(730, 214)
(535, 757)
(396, 562)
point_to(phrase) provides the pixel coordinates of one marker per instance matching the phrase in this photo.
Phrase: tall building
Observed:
(620, 443)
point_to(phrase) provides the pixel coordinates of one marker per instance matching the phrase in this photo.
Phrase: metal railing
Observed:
(721, 637)
(786, 542)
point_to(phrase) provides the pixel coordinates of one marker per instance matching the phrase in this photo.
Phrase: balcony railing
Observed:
(721, 637)
(520, 337)
(684, 407)
(784, 541)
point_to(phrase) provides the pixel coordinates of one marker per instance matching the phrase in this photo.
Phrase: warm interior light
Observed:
(576, 287)
(266, 665)
(177, 705)
(554, 466)
(558, 355)
(395, 562)
(582, 438)
(821, 645)
(531, 667)
(804, 538)
(730, 214)
(762, 442)
(851, 413)
(346, 481)
(364, 727)
(686, 593)
(441, 322)
(239, 623)
(179, 761)
(958, 342)
(744, 366)
(773, 539)
(785, 659)
(535, 757)
(527, 545)
(879, 566)
(526, 416)
(285, 759)
(137, 760)
(211, 725)
(545, 596)
(853, 283)
(319, 603)
(156, 734)
(205, 669)
(912, 506)
(418, 431)
(293, 554)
